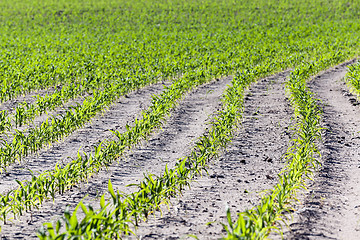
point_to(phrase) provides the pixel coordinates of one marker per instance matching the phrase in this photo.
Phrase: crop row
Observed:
(256, 223)
(116, 217)
(55, 127)
(32, 193)
(26, 112)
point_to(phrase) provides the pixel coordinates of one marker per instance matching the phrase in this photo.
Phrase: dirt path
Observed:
(123, 111)
(249, 165)
(186, 124)
(331, 209)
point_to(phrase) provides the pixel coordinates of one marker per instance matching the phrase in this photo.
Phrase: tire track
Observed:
(250, 165)
(330, 209)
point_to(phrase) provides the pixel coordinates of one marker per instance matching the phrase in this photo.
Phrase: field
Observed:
(172, 119)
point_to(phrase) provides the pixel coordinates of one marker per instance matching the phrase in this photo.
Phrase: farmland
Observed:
(179, 119)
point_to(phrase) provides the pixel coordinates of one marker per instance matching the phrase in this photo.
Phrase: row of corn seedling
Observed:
(117, 217)
(56, 127)
(31, 193)
(25, 112)
(257, 222)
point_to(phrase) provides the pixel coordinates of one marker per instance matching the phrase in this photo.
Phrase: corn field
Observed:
(175, 119)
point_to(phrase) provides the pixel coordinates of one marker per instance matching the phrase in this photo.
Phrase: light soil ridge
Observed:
(248, 166)
(331, 208)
